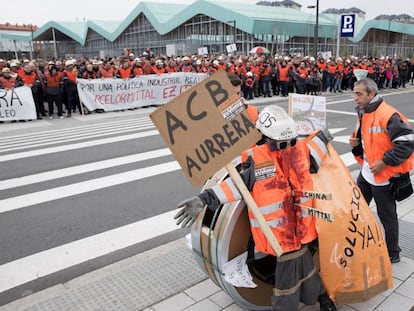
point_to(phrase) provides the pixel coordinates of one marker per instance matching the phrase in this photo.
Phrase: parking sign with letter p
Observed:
(347, 25)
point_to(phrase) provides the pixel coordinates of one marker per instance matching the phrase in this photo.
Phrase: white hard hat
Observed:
(275, 123)
(215, 62)
(158, 62)
(69, 62)
(186, 58)
(249, 74)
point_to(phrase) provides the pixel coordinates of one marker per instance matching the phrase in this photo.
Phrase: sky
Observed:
(39, 12)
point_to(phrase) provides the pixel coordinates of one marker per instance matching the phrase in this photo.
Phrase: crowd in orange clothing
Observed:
(262, 75)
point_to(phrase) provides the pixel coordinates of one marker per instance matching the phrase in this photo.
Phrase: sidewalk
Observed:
(168, 278)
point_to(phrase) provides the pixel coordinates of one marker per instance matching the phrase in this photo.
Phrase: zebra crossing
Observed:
(55, 185)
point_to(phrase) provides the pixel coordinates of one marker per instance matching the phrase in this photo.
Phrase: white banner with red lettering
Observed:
(146, 90)
(17, 104)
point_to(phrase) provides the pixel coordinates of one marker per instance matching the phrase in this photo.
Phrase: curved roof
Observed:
(251, 18)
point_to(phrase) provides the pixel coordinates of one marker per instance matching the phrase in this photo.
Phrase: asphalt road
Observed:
(78, 194)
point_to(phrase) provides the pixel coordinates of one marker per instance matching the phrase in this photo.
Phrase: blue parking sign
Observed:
(347, 25)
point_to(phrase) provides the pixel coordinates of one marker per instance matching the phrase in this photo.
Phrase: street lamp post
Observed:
(31, 42)
(388, 36)
(234, 29)
(315, 38)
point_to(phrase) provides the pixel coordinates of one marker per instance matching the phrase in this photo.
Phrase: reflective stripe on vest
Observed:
(377, 129)
(318, 149)
(275, 223)
(226, 191)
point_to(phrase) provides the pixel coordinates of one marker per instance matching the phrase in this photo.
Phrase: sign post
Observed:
(206, 127)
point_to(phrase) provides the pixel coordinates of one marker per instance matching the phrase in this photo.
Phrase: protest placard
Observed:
(309, 112)
(205, 127)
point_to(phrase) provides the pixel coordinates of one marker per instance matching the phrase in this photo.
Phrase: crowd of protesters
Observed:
(55, 81)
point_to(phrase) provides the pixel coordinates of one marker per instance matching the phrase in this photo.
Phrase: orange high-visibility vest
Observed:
(277, 172)
(377, 142)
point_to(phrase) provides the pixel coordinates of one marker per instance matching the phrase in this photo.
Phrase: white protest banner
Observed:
(309, 112)
(17, 104)
(117, 94)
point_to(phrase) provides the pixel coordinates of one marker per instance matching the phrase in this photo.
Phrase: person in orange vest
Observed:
(330, 72)
(54, 84)
(265, 79)
(274, 172)
(158, 68)
(171, 66)
(89, 73)
(339, 75)
(9, 82)
(69, 86)
(137, 69)
(285, 74)
(383, 144)
(248, 86)
(125, 71)
(302, 76)
(106, 71)
(322, 67)
(237, 84)
(214, 67)
(32, 80)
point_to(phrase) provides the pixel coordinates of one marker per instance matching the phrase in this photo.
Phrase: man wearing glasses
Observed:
(273, 171)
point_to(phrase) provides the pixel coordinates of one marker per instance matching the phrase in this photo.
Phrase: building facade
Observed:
(178, 29)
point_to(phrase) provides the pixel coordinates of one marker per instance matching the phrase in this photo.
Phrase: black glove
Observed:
(190, 209)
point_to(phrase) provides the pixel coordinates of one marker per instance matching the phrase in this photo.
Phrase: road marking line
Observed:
(74, 132)
(86, 144)
(81, 169)
(26, 269)
(74, 129)
(55, 140)
(57, 193)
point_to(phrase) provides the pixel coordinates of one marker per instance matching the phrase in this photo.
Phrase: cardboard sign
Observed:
(206, 127)
(354, 262)
(308, 112)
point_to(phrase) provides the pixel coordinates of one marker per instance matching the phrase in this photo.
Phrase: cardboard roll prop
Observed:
(219, 237)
